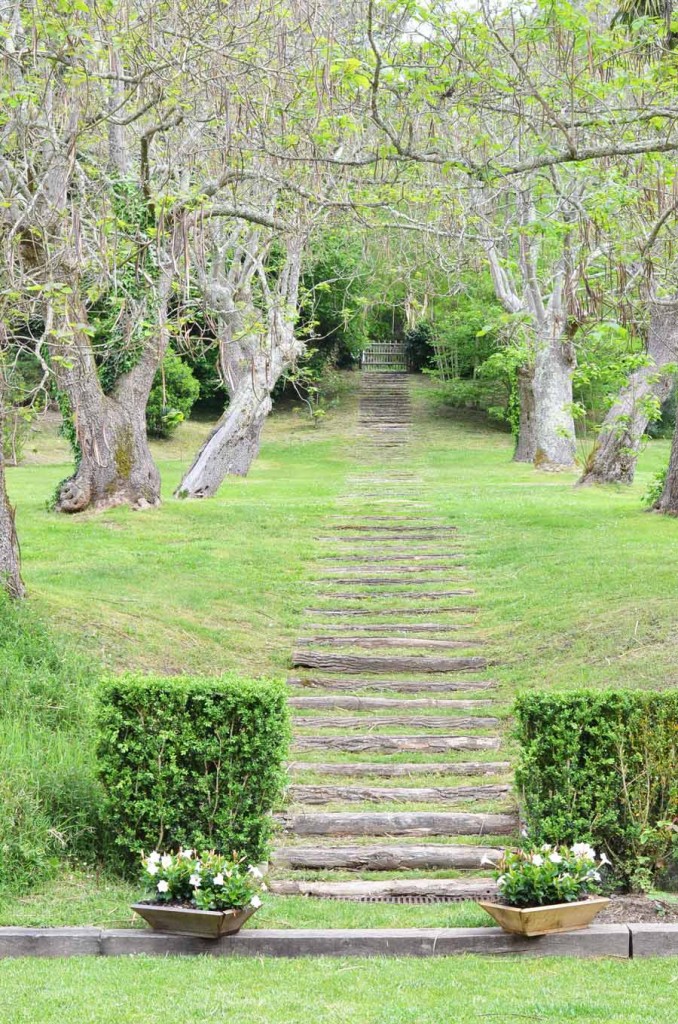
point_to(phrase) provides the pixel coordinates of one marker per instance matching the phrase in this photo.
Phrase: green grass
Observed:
(84, 898)
(203, 587)
(379, 991)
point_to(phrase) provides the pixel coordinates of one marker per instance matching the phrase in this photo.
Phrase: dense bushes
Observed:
(196, 762)
(49, 795)
(602, 767)
(174, 393)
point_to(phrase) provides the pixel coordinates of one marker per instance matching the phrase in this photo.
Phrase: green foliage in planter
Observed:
(192, 762)
(602, 767)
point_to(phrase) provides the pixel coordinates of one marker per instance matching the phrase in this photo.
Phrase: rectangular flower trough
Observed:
(533, 921)
(209, 924)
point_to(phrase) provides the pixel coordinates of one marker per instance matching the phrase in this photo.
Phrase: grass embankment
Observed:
(195, 991)
(574, 587)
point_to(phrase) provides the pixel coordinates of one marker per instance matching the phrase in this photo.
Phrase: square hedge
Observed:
(191, 761)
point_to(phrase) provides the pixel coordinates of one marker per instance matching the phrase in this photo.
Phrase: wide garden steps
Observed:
(396, 726)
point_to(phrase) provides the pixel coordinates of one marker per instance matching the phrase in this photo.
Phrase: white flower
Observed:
(584, 850)
(255, 902)
(264, 887)
(555, 858)
(152, 868)
(604, 859)
(163, 886)
(188, 854)
(501, 880)
(546, 848)
(219, 879)
(154, 857)
(537, 860)
(486, 859)
(166, 861)
(194, 880)
(255, 872)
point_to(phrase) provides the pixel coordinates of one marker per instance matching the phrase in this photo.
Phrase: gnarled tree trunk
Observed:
(615, 456)
(251, 362)
(234, 443)
(115, 465)
(554, 421)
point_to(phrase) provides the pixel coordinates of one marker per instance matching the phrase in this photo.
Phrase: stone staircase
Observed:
(398, 789)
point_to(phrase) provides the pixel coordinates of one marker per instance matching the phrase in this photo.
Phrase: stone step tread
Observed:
(386, 857)
(367, 769)
(392, 823)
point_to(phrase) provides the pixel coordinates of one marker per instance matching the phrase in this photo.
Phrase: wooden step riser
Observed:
(391, 721)
(396, 744)
(386, 858)
(379, 628)
(306, 794)
(391, 685)
(396, 823)
(367, 769)
(364, 663)
(353, 703)
(391, 643)
(370, 613)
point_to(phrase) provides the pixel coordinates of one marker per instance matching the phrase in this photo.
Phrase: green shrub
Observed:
(50, 798)
(602, 767)
(174, 393)
(191, 762)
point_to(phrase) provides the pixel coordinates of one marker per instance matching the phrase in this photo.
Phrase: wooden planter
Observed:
(209, 924)
(560, 917)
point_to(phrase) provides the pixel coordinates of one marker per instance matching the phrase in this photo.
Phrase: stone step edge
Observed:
(616, 940)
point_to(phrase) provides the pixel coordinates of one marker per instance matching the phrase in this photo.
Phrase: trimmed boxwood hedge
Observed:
(192, 762)
(602, 767)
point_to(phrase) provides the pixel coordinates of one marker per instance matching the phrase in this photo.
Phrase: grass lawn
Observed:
(380, 991)
(197, 587)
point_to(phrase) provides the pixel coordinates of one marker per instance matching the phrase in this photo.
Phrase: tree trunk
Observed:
(668, 502)
(526, 446)
(10, 559)
(233, 444)
(554, 422)
(616, 453)
(115, 465)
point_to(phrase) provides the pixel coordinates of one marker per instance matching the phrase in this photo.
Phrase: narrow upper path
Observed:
(398, 788)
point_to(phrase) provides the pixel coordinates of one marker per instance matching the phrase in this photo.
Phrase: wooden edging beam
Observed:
(619, 941)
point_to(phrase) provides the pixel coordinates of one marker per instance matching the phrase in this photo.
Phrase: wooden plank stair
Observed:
(387, 584)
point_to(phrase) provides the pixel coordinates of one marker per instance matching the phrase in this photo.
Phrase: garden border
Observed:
(616, 940)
